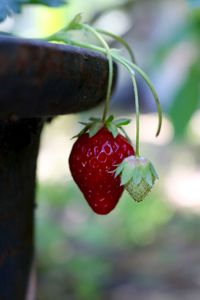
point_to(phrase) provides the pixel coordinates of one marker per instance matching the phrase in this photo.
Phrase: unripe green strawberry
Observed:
(137, 175)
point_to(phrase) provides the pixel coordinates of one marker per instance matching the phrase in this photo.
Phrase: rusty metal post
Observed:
(19, 143)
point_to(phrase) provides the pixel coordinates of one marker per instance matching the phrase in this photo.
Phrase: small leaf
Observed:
(110, 119)
(84, 130)
(75, 21)
(94, 129)
(121, 122)
(77, 18)
(94, 119)
(113, 129)
(84, 123)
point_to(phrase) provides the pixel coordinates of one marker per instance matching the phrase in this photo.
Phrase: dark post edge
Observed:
(19, 144)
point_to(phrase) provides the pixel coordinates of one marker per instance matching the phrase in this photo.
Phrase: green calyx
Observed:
(113, 125)
(137, 175)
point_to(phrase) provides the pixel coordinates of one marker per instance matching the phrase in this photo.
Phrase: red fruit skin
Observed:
(92, 161)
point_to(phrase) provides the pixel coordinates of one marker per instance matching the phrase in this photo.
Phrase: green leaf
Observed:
(75, 23)
(84, 123)
(186, 101)
(109, 119)
(113, 129)
(84, 130)
(94, 129)
(77, 19)
(94, 119)
(121, 122)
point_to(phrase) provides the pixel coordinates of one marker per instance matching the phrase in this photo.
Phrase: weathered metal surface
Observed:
(42, 79)
(19, 143)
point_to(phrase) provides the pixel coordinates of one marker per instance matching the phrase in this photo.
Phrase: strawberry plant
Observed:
(103, 161)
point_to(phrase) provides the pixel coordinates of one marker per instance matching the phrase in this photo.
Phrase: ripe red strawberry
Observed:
(92, 161)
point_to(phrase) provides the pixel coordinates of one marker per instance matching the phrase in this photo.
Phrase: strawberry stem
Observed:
(61, 37)
(119, 40)
(111, 55)
(148, 81)
(137, 112)
(110, 68)
(79, 26)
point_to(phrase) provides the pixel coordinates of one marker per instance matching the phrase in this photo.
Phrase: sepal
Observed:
(95, 124)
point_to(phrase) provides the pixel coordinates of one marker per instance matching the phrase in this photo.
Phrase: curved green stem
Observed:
(129, 65)
(119, 40)
(148, 81)
(64, 39)
(107, 51)
(137, 112)
(110, 68)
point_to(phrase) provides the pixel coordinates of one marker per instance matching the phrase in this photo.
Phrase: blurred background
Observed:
(140, 251)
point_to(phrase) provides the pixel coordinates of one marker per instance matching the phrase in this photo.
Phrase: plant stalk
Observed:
(129, 65)
(110, 68)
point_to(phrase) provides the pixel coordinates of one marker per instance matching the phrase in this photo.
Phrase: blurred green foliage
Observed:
(79, 246)
(186, 100)
(187, 94)
(81, 255)
(129, 219)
